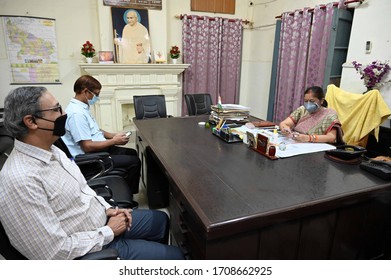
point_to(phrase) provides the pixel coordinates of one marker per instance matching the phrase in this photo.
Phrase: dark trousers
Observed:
(147, 238)
(127, 160)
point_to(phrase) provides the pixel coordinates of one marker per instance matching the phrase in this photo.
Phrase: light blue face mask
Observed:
(93, 100)
(311, 107)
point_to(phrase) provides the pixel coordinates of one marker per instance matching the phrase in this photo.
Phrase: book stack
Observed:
(230, 113)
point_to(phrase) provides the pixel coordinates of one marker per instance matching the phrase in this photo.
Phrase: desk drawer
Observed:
(183, 231)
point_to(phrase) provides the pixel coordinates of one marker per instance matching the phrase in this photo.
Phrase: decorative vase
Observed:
(89, 59)
(368, 89)
(174, 60)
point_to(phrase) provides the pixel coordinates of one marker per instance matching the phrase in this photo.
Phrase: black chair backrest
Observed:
(6, 144)
(149, 106)
(63, 147)
(6, 249)
(6, 140)
(198, 103)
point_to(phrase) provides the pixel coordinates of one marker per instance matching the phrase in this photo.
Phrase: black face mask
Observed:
(59, 125)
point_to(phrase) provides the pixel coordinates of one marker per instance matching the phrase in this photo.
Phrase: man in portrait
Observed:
(134, 45)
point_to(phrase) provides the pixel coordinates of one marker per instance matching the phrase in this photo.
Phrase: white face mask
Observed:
(311, 107)
(93, 100)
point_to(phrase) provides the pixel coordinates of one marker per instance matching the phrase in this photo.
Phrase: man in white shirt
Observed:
(46, 207)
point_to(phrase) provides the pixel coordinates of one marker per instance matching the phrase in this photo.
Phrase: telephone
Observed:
(347, 152)
(379, 168)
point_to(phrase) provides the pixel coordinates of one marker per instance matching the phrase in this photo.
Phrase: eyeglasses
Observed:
(58, 108)
(93, 93)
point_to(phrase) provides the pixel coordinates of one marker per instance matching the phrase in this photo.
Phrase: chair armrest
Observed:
(101, 189)
(105, 254)
(101, 162)
(92, 155)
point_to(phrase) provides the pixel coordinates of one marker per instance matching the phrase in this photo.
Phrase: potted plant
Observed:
(373, 73)
(174, 54)
(88, 51)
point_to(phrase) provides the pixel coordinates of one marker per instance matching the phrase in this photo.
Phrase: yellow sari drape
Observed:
(359, 114)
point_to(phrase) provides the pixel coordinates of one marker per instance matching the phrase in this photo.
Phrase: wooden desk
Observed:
(229, 202)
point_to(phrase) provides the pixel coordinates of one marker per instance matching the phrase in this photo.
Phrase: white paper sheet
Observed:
(293, 148)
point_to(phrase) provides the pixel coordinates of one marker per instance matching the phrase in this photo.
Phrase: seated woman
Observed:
(312, 122)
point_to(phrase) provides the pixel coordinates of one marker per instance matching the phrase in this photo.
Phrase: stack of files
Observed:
(231, 113)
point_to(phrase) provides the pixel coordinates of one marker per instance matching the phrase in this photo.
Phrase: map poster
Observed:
(32, 49)
(136, 4)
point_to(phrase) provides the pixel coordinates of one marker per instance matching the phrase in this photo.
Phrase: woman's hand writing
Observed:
(285, 130)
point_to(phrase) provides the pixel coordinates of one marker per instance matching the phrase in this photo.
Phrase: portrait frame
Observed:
(159, 56)
(119, 21)
(106, 57)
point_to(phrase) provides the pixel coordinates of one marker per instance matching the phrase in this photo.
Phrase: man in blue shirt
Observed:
(83, 134)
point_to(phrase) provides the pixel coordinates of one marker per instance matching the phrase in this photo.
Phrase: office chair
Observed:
(106, 181)
(6, 145)
(149, 106)
(10, 253)
(198, 103)
(154, 180)
(6, 249)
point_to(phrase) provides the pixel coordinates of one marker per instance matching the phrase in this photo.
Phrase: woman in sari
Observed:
(312, 122)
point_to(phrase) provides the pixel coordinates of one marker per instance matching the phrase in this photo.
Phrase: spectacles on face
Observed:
(58, 108)
(93, 93)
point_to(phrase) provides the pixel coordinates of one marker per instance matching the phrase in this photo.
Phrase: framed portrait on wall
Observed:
(131, 35)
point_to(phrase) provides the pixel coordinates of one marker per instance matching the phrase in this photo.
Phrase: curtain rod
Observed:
(335, 4)
(244, 21)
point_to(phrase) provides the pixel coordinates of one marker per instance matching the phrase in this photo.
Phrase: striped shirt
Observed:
(46, 207)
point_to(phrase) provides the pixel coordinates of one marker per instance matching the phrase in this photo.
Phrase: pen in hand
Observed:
(286, 130)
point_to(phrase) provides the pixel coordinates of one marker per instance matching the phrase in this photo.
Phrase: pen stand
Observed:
(260, 144)
(226, 135)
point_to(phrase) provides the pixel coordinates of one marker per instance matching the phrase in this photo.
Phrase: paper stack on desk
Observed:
(230, 113)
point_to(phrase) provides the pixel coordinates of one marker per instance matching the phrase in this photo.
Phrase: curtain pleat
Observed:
(213, 50)
(292, 63)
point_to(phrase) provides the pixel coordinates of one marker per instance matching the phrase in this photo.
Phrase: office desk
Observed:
(229, 202)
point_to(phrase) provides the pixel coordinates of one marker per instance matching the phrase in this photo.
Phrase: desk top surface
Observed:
(228, 183)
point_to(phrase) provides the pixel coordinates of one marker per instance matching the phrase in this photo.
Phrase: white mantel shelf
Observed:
(120, 82)
(120, 68)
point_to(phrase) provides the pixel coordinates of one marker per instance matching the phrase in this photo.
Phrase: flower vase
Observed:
(89, 59)
(368, 89)
(174, 60)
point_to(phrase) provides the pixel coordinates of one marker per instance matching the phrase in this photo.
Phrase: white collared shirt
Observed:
(46, 207)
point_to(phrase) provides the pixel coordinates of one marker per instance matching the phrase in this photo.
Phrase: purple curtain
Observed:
(319, 44)
(304, 43)
(292, 62)
(212, 47)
